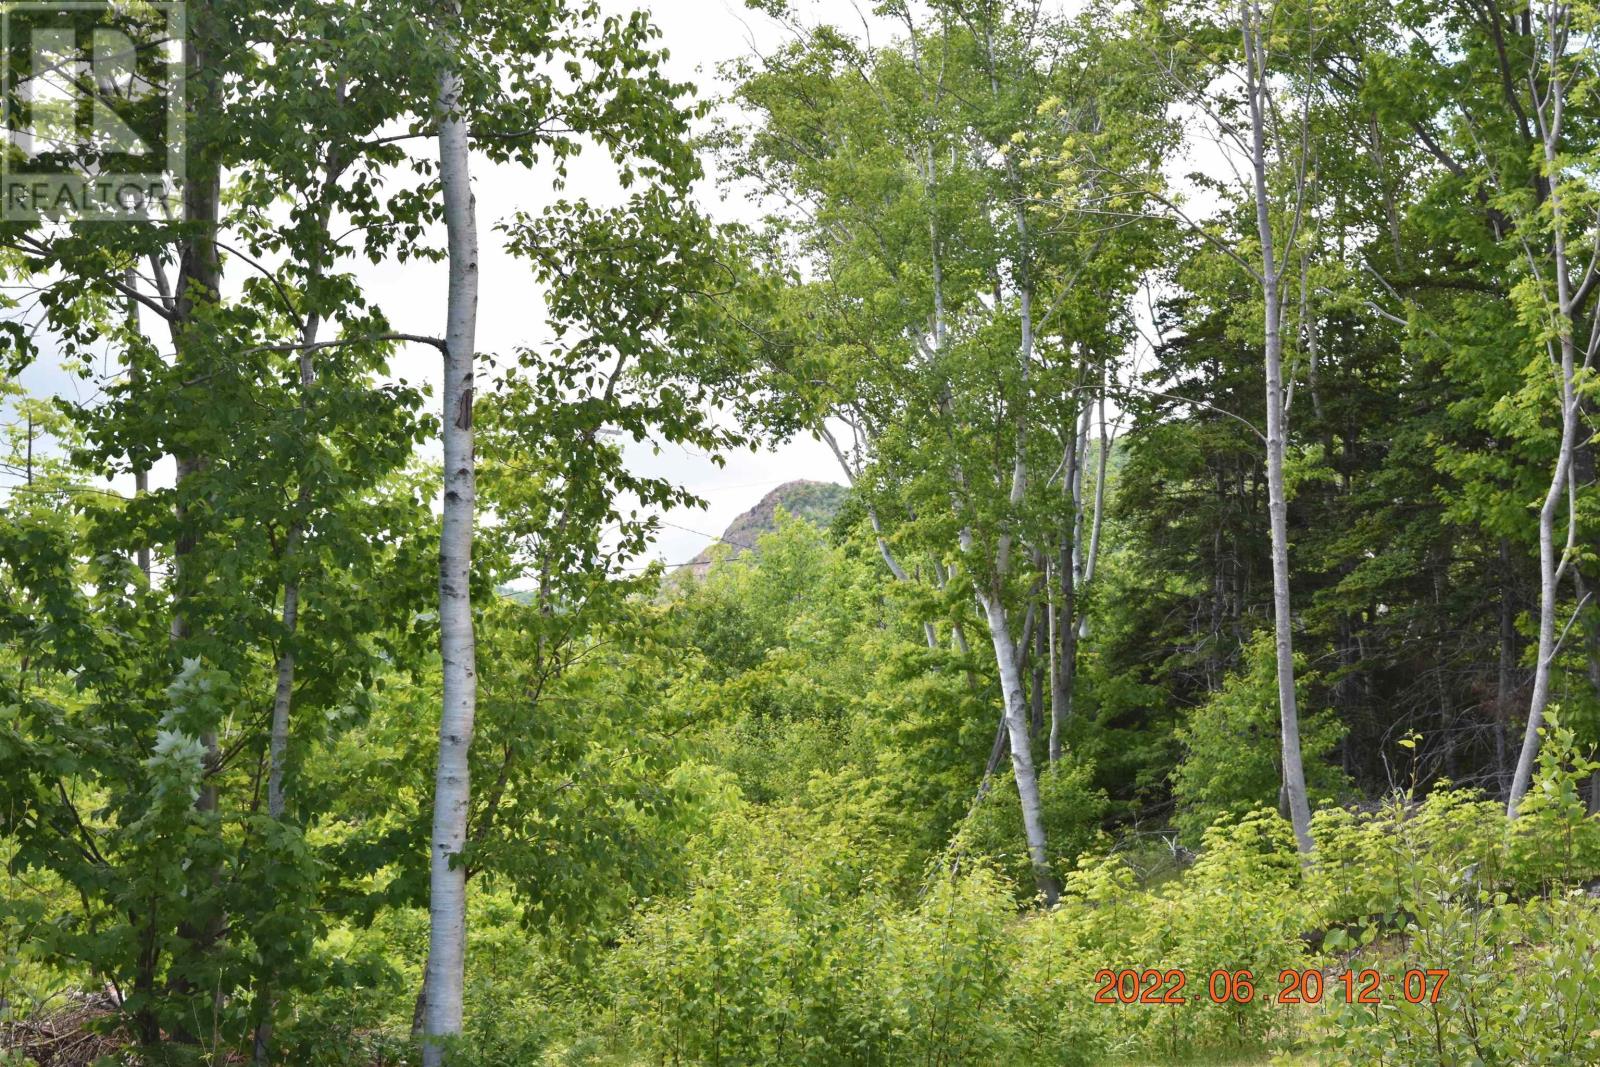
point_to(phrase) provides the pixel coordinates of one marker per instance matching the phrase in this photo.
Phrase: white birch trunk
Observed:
(1552, 562)
(1294, 781)
(1099, 496)
(1005, 654)
(1550, 565)
(1080, 451)
(1064, 646)
(447, 908)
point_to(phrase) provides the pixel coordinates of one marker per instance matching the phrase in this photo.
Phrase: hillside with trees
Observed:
(816, 502)
(1198, 660)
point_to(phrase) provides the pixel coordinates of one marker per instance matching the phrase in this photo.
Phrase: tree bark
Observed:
(283, 694)
(1552, 561)
(929, 633)
(1505, 684)
(283, 690)
(1067, 673)
(1294, 782)
(1066, 629)
(1005, 653)
(1080, 461)
(141, 475)
(1041, 656)
(1099, 494)
(1549, 589)
(447, 912)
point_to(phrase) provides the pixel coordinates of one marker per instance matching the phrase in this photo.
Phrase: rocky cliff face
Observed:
(816, 502)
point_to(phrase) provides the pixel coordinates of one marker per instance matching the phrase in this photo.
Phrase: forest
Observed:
(1197, 659)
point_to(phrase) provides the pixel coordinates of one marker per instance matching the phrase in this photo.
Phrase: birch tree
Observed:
(1262, 129)
(921, 177)
(1273, 267)
(1483, 96)
(1559, 290)
(447, 896)
(612, 93)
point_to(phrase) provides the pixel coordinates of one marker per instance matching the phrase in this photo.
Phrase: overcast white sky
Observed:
(699, 34)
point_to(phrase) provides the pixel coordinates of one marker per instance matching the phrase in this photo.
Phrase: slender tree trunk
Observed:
(1041, 656)
(1552, 560)
(1505, 684)
(1066, 629)
(1294, 782)
(447, 916)
(992, 602)
(141, 486)
(958, 634)
(278, 747)
(1293, 771)
(146, 1022)
(199, 284)
(1016, 711)
(1072, 569)
(1052, 639)
(283, 694)
(141, 476)
(1549, 589)
(1080, 462)
(1061, 710)
(929, 633)
(1091, 557)
(419, 1007)
(1099, 492)
(997, 753)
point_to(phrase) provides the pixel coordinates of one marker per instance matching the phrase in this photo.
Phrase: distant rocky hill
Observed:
(816, 502)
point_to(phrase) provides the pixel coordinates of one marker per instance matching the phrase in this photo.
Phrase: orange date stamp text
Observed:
(1131, 985)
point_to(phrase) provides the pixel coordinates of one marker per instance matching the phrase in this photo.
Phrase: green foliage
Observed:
(952, 960)
(1237, 909)
(1448, 880)
(1232, 744)
(959, 976)
(1556, 840)
(788, 951)
(1383, 866)
(1073, 812)
(742, 815)
(1375, 866)
(772, 956)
